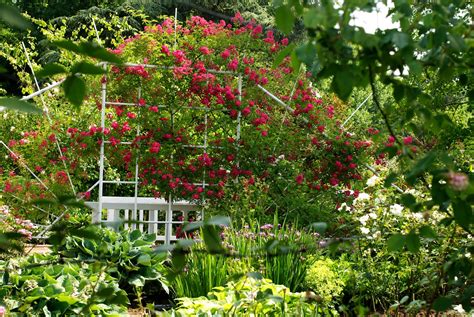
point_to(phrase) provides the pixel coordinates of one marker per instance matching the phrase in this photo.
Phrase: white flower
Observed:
(459, 309)
(373, 215)
(363, 196)
(12, 128)
(364, 230)
(396, 209)
(363, 220)
(417, 215)
(371, 182)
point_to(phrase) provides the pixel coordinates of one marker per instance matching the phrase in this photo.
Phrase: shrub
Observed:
(34, 286)
(127, 256)
(248, 296)
(327, 278)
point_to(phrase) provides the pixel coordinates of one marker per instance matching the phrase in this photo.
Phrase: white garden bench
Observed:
(149, 215)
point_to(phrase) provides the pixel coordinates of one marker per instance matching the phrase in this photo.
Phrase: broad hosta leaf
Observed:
(75, 89)
(18, 105)
(144, 259)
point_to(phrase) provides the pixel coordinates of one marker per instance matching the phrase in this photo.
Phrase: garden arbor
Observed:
(150, 213)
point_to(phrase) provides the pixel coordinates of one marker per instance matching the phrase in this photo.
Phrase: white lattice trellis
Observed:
(140, 212)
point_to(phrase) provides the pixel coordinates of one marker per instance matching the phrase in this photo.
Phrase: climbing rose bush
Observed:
(213, 110)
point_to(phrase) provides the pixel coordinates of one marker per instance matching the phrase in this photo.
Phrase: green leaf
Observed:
(391, 178)
(135, 235)
(212, 239)
(67, 299)
(178, 261)
(105, 292)
(420, 167)
(284, 19)
(396, 242)
(319, 227)
(75, 89)
(427, 232)
(408, 200)
(137, 281)
(282, 54)
(462, 213)
(144, 260)
(86, 68)
(442, 303)
(255, 275)
(89, 49)
(218, 221)
(192, 226)
(413, 242)
(68, 45)
(50, 70)
(314, 18)
(11, 103)
(342, 83)
(306, 53)
(11, 16)
(400, 39)
(96, 51)
(89, 233)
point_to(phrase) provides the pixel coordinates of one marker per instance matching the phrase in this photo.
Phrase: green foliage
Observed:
(202, 272)
(36, 285)
(127, 256)
(247, 296)
(273, 251)
(327, 278)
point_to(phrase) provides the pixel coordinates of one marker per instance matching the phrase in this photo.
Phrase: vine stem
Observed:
(379, 107)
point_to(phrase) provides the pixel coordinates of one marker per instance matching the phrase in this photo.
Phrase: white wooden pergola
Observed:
(147, 213)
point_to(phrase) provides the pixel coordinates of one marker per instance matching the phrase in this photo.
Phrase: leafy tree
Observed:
(427, 63)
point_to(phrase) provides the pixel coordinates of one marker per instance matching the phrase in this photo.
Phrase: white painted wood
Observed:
(153, 224)
(111, 215)
(134, 218)
(126, 218)
(140, 219)
(147, 213)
